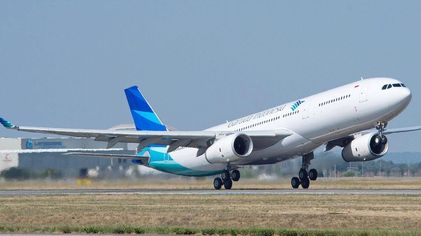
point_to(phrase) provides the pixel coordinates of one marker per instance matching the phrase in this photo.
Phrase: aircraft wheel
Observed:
(295, 182)
(217, 183)
(225, 175)
(303, 174)
(305, 183)
(228, 184)
(235, 175)
(312, 174)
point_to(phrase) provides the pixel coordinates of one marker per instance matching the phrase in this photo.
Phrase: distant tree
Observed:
(349, 174)
(15, 173)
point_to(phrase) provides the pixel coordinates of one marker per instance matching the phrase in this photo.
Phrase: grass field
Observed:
(216, 214)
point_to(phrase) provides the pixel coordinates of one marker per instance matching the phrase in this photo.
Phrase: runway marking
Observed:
(41, 192)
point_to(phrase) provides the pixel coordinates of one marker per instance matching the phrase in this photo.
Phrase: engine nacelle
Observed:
(366, 148)
(229, 148)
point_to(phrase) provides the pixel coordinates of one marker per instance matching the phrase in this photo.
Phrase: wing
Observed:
(402, 130)
(175, 139)
(342, 142)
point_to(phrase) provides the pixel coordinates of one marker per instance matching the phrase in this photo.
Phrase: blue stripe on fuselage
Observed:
(160, 160)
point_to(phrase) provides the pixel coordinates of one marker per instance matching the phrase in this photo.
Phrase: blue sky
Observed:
(66, 63)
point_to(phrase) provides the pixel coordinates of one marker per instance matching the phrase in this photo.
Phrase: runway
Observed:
(45, 192)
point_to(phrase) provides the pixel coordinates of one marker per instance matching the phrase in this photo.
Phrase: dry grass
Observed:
(340, 213)
(367, 213)
(206, 183)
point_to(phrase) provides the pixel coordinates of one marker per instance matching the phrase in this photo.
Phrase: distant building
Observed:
(9, 160)
(67, 166)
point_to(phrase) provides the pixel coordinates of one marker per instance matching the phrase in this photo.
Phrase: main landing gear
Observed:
(305, 176)
(226, 179)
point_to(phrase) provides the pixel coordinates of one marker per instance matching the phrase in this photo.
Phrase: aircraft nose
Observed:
(405, 95)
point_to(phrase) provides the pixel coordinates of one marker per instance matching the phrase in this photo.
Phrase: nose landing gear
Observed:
(226, 179)
(305, 176)
(381, 139)
(381, 125)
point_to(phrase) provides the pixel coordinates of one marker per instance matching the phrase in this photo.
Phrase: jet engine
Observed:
(366, 148)
(229, 148)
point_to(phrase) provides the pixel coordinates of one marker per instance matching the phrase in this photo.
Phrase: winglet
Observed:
(7, 124)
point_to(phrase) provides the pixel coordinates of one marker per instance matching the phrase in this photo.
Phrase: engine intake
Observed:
(366, 148)
(229, 148)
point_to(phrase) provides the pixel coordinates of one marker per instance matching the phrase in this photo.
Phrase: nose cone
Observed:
(404, 95)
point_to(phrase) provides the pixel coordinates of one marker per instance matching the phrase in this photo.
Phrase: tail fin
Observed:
(143, 115)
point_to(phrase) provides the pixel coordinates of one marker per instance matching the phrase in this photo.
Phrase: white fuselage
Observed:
(313, 121)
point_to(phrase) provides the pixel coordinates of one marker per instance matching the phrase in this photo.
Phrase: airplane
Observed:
(353, 117)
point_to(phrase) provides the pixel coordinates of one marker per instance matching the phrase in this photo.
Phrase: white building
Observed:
(8, 160)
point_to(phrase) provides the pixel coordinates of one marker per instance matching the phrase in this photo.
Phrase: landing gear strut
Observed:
(305, 176)
(226, 179)
(381, 125)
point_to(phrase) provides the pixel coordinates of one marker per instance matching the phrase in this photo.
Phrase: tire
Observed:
(217, 183)
(312, 174)
(305, 183)
(302, 174)
(228, 184)
(225, 176)
(295, 182)
(235, 175)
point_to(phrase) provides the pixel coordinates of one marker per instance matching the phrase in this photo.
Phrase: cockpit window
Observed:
(388, 86)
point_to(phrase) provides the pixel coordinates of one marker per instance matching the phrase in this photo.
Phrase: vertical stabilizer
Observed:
(143, 115)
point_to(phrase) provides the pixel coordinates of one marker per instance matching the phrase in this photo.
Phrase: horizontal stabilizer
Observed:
(61, 150)
(143, 160)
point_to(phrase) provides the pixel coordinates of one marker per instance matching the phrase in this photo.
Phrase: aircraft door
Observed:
(363, 94)
(306, 111)
(361, 106)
